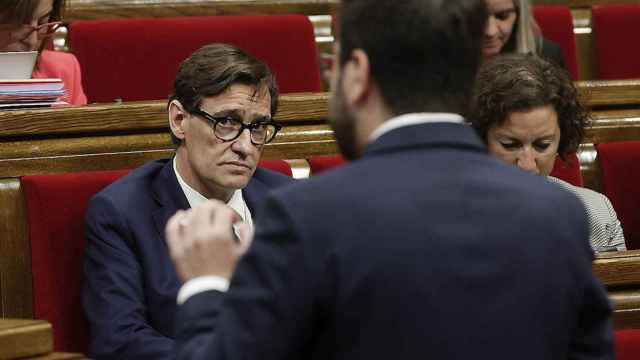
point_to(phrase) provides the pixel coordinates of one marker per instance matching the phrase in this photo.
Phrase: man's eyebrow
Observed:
(228, 112)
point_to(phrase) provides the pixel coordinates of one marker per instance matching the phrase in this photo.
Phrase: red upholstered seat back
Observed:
(56, 205)
(621, 180)
(568, 170)
(280, 166)
(319, 164)
(556, 24)
(616, 31)
(137, 59)
(628, 344)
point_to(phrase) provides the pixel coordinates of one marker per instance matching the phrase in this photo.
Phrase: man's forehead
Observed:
(241, 97)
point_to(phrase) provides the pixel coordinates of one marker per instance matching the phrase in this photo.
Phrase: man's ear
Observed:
(176, 118)
(356, 77)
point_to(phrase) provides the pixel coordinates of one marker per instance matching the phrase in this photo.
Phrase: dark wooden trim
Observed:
(609, 93)
(105, 9)
(619, 268)
(136, 116)
(20, 338)
(16, 293)
(620, 273)
(583, 3)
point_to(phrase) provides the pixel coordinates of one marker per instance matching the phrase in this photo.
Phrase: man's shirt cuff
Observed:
(201, 284)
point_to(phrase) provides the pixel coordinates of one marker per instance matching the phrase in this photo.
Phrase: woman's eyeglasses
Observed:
(15, 33)
(228, 128)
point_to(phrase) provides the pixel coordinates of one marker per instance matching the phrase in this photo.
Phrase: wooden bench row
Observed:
(105, 9)
(102, 137)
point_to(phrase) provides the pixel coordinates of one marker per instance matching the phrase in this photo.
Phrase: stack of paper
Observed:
(31, 93)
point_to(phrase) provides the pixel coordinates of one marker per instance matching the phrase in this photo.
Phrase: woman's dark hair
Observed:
(518, 82)
(212, 69)
(21, 11)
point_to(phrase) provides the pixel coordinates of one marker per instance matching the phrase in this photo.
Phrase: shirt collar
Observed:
(195, 198)
(414, 119)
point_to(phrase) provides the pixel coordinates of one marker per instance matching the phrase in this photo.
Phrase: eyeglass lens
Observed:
(228, 129)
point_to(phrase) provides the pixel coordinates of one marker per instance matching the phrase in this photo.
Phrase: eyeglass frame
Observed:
(55, 24)
(214, 120)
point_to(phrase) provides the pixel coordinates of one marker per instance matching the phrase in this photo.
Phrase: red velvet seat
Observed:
(319, 164)
(556, 24)
(280, 166)
(628, 344)
(621, 180)
(137, 59)
(616, 32)
(568, 170)
(55, 212)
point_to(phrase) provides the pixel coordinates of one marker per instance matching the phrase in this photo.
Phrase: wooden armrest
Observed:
(21, 338)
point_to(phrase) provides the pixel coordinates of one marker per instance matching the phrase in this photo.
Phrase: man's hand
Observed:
(202, 240)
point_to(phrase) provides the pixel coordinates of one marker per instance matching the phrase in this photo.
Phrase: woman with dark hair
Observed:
(511, 27)
(527, 111)
(29, 25)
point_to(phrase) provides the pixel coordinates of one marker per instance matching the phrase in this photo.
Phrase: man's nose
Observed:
(527, 161)
(243, 143)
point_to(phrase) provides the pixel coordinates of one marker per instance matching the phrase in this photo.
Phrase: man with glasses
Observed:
(220, 116)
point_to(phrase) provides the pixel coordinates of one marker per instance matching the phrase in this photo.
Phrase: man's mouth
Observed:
(237, 164)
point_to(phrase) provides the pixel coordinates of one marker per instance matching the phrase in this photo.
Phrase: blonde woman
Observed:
(512, 28)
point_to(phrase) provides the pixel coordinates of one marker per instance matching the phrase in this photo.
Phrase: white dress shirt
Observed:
(205, 283)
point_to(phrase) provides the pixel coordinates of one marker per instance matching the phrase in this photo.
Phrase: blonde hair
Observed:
(527, 35)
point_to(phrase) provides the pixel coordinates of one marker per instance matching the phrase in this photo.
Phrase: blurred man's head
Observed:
(220, 116)
(397, 57)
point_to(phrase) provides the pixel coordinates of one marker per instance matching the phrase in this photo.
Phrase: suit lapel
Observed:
(169, 196)
(254, 192)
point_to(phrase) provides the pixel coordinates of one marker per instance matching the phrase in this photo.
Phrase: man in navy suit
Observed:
(422, 248)
(220, 116)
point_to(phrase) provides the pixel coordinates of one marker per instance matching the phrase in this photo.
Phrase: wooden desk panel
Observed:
(106, 9)
(22, 338)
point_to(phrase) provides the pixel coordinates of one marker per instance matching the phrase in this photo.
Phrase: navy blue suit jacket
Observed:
(131, 285)
(425, 248)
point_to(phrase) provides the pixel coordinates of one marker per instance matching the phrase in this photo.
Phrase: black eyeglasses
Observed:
(227, 128)
(21, 32)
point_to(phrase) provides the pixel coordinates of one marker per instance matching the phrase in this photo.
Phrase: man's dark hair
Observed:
(517, 82)
(214, 68)
(424, 54)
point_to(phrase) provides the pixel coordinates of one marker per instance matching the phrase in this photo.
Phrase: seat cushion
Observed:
(319, 164)
(556, 24)
(137, 59)
(280, 166)
(620, 179)
(56, 205)
(568, 170)
(616, 30)
(628, 344)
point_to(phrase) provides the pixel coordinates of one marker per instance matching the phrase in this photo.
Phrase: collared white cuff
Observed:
(201, 284)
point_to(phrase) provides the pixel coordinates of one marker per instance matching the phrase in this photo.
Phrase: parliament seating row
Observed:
(598, 49)
(40, 273)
